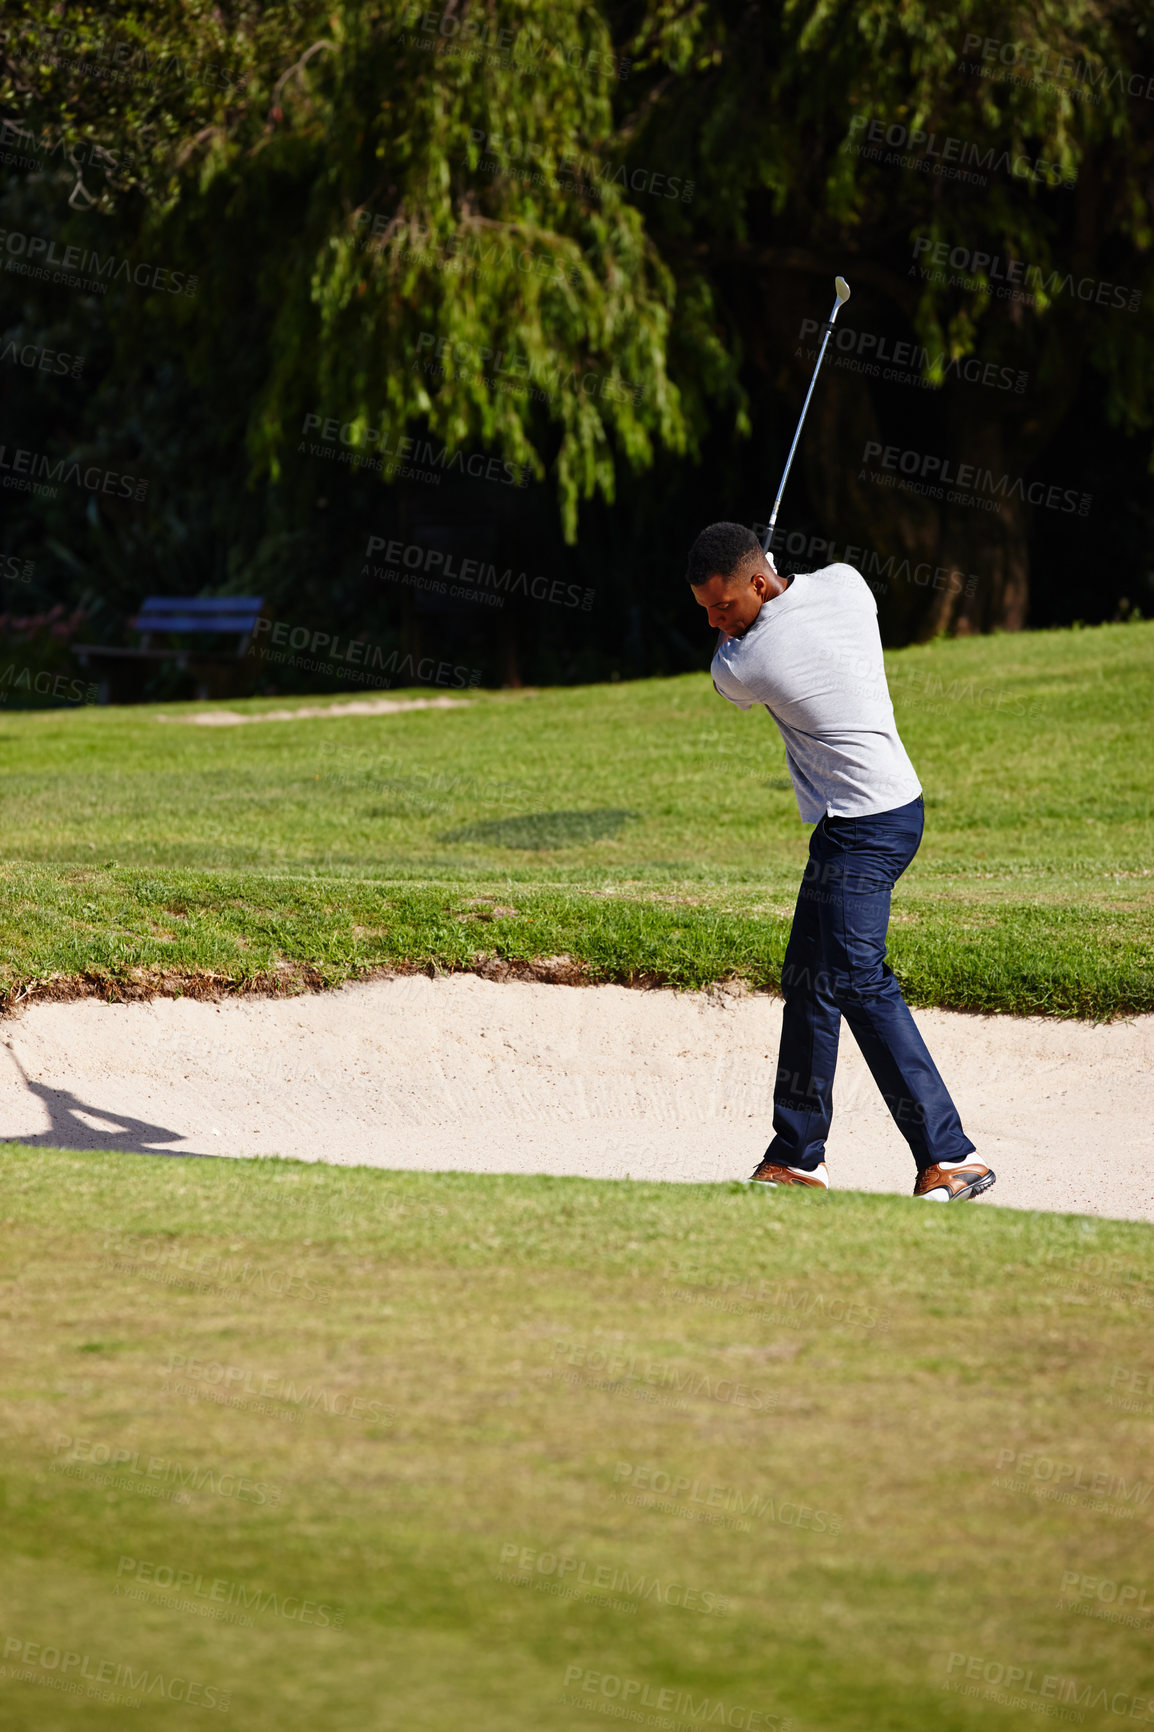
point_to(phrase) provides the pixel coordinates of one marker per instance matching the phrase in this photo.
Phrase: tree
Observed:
(472, 224)
(983, 178)
(417, 255)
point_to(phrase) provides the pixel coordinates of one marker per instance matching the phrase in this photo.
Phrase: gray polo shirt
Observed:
(813, 657)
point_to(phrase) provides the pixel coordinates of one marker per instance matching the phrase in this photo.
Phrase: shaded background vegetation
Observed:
(357, 189)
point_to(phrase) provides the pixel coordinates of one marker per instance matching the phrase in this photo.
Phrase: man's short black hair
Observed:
(719, 551)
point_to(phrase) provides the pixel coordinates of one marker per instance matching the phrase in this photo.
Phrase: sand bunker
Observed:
(605, 1082)
(316, 712)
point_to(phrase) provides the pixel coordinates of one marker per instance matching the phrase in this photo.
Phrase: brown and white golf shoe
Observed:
(953, 1181)
(772, 1173)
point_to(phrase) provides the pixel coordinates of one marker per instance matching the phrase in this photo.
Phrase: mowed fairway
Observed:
(294, 1446)
(644, 830)
(340, 1448)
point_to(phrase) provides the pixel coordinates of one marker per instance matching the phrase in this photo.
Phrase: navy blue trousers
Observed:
(835, 967)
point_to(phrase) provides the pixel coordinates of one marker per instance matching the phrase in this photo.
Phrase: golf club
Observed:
(842, 289)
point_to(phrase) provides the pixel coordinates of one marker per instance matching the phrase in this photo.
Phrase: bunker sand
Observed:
(603, 1082)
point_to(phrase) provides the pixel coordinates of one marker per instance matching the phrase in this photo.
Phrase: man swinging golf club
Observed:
(809, 649)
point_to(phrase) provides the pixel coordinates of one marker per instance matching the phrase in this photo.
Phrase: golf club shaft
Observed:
(801, 419)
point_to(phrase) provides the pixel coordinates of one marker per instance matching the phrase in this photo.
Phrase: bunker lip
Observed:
(142, 985)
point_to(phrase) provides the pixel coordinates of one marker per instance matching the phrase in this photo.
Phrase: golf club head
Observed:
(841, 289)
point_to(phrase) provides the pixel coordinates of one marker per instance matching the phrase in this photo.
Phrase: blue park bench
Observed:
(185, 617)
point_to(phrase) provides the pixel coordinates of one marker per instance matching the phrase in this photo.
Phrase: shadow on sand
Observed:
(71, 1127)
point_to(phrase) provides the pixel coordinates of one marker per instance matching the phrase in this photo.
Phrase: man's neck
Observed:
(777, 585)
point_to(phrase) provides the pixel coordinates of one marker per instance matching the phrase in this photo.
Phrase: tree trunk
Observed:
(985, 552)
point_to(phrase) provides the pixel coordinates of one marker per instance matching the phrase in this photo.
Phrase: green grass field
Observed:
(290, 1447)
(340, 1448)
(644, 830)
